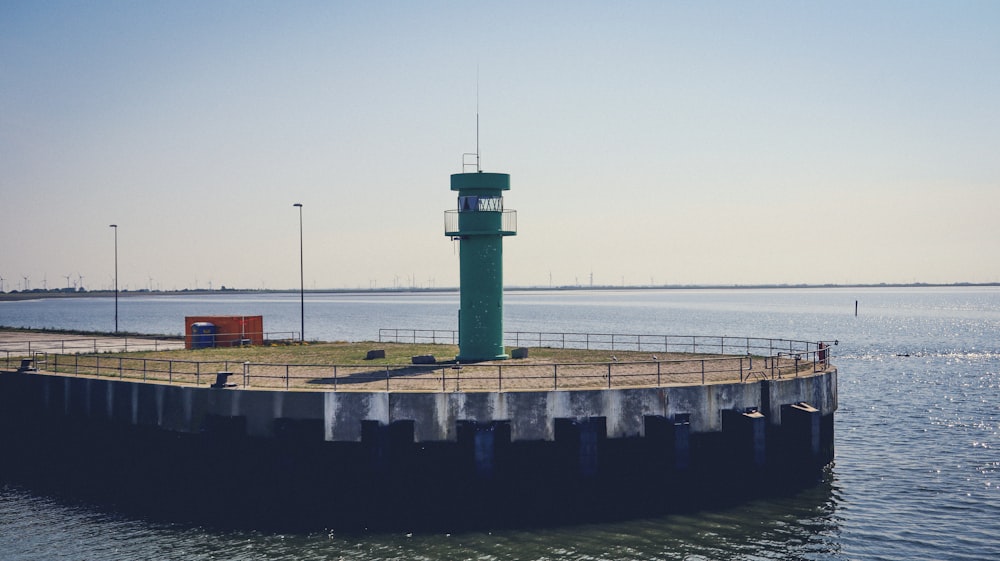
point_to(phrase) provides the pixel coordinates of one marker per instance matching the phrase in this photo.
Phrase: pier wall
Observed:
(435, 416)
(362, 460)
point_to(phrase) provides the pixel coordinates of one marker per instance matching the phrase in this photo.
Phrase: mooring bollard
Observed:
(221, 380)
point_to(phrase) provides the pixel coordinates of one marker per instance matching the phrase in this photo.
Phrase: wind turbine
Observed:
(67, 280)
(24, 287)
(1, 284)
(81, 280)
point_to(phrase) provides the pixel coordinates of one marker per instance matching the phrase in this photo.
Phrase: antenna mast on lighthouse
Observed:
(477, 163)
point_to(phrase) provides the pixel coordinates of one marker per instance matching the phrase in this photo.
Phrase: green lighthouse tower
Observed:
(480, 223)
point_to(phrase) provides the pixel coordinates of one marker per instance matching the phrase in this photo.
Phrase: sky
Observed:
(647, 142)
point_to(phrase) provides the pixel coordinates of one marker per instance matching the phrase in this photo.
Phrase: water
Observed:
(917, 473)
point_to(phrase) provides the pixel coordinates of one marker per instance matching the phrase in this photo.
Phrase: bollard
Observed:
(221, 380)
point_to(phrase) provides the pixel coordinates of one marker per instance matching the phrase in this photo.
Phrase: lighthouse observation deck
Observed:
(458, 223)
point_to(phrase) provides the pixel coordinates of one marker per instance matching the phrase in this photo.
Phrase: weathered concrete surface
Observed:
(434, 414)
(23, 343)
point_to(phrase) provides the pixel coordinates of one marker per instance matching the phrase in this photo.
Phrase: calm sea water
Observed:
(917, 472)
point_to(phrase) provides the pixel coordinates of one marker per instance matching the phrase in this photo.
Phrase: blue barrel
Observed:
(202, 335)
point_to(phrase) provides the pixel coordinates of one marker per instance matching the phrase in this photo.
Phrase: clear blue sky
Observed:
(663, 142)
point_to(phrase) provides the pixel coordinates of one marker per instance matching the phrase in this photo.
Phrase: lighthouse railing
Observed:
(454, 225)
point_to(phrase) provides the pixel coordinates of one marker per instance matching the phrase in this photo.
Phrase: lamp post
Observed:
(115, 227)
(302, 280)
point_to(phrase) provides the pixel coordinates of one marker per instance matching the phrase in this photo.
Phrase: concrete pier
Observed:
(392, 458)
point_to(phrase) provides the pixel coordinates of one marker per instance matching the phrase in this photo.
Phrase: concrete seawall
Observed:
(531, 414)
(548, 453)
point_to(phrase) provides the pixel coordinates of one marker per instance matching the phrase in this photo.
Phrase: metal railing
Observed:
(12, 351)
(433, 336)
(450, 376)
(695, 344)
(507, 223)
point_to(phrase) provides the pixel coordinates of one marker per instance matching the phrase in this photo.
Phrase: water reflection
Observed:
(802, 526)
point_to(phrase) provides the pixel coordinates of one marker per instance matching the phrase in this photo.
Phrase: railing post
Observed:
(658, 383)
(76, 365)
(170, 371)
(609, 375)
(197, 373)
(555, 376)
(97, 364)
(334, 377)
(703, 372)
(246, 372)
(286, 376)
(386, 377)
(143, 370)
(499, 377)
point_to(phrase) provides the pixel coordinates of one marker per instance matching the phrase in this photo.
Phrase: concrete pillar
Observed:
(387, 446)
(745, 436)
(800, 423)
(485, 444)
(580, 442)
(670, 440)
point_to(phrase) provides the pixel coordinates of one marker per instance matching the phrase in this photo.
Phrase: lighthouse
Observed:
(480, 223)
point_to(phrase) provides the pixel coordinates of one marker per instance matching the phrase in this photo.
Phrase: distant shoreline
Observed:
(40, 294)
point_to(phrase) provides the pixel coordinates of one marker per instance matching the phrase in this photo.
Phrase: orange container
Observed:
(230, 331)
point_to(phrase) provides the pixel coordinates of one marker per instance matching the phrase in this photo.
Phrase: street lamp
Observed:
(302, 280)
(115, 226)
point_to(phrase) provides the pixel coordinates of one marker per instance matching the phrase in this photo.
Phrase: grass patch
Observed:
(353, 353)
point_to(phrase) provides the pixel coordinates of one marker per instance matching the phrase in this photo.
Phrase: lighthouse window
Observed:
(468, 204)
(494, 204)
(472, 203)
